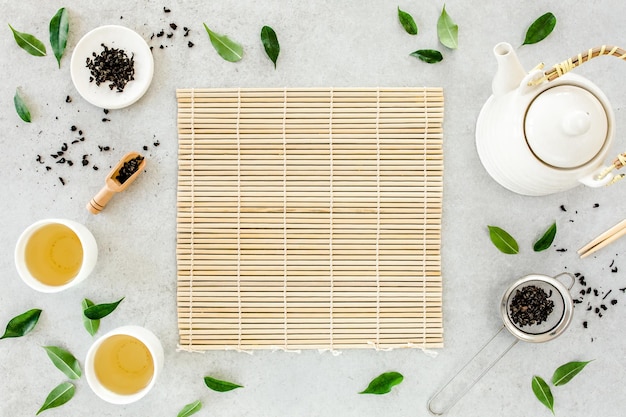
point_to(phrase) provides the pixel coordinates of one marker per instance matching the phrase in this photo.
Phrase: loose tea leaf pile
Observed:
(112, 65)
(530, 305)
(129, 168)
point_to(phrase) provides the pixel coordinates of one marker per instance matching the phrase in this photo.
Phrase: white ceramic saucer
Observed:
(113, 37)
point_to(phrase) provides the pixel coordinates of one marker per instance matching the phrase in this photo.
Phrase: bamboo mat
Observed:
(309, 218)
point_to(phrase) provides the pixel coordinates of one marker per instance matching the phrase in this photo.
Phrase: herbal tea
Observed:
(123, 364)
(54, 254)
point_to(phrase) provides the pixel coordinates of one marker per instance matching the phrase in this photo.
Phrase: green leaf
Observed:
(543, 393)
(98, 311)
(565, 373)
(92, 326)
(270, 43)
(59, 27)
(64, 361)
(383, 383)
(189, 409)
(546, 240)
(540, 29)
(58, 396)
(447, 30)
(503, 241)
(22, 324)
(21, 108)
(220, 386)
(29, 43)
(407, 22)
(430, 56)
(229, 50)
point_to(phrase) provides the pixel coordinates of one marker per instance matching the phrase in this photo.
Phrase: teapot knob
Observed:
(576, 123)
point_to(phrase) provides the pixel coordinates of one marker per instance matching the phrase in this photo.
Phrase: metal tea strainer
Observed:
(561, 308)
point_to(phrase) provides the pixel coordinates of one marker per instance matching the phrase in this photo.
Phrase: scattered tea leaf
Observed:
(98, 311)
(543, 393)
(92, 326)
(546, 240)
(503, 241)
(189, 409)
(565, 373)
(64, 361)
(59, 27)
(447, 30)
(22, 324)
(229, 50)
(407, 22)
(220, 386)
(270, 43)
(429, 56)
(21, 108)
(58, 396)
(540, 29)
(383, 383)
(29, 43)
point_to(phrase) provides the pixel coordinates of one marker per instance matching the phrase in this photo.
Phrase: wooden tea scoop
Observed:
(120, 177)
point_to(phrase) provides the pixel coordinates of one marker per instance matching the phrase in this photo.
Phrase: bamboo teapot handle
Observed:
(569, 64)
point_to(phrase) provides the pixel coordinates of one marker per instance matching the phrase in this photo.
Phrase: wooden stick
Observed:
(606, 238)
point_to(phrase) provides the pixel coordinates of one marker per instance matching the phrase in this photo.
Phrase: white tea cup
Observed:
(122, 366)
(54, 254)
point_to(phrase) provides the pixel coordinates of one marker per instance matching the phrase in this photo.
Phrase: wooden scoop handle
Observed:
(100, 200)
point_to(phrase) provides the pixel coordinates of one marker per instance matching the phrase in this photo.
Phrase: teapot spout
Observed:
(510, 71)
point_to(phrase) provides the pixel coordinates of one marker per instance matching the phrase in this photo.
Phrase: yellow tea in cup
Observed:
(123, 364)
(54, 254)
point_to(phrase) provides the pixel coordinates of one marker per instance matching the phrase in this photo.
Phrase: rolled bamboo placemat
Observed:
(309, 218)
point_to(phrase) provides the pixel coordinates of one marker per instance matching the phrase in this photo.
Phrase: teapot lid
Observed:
(566, 126)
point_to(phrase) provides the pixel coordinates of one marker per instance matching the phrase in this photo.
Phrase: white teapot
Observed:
(537, 136)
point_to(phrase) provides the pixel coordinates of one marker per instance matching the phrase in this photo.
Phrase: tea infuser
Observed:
(113, 184)
(545, 330)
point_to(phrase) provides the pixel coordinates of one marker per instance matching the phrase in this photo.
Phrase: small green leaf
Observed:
(540, 29)
(22, 324)
(59, 27)
(565, 373)
(383, 383)
(447, 30)
(189, 409)
(270, 43)
(503, 241)
(546, 240)
(64, 361)
(220, 386)
(543, 393)
(21, 108)
(229, 50)
(429, 56)
(92, 326)
(58, 396)
(98, 311)
(407, 22)
(29, 43)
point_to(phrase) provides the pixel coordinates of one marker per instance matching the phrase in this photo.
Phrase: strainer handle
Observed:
(472, 372)
(571, 277)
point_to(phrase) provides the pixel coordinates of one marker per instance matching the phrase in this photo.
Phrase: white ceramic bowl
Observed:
(149, 340)
(112, 36)
(90, 255)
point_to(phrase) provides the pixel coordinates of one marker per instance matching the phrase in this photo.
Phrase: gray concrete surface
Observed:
(323, 43)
